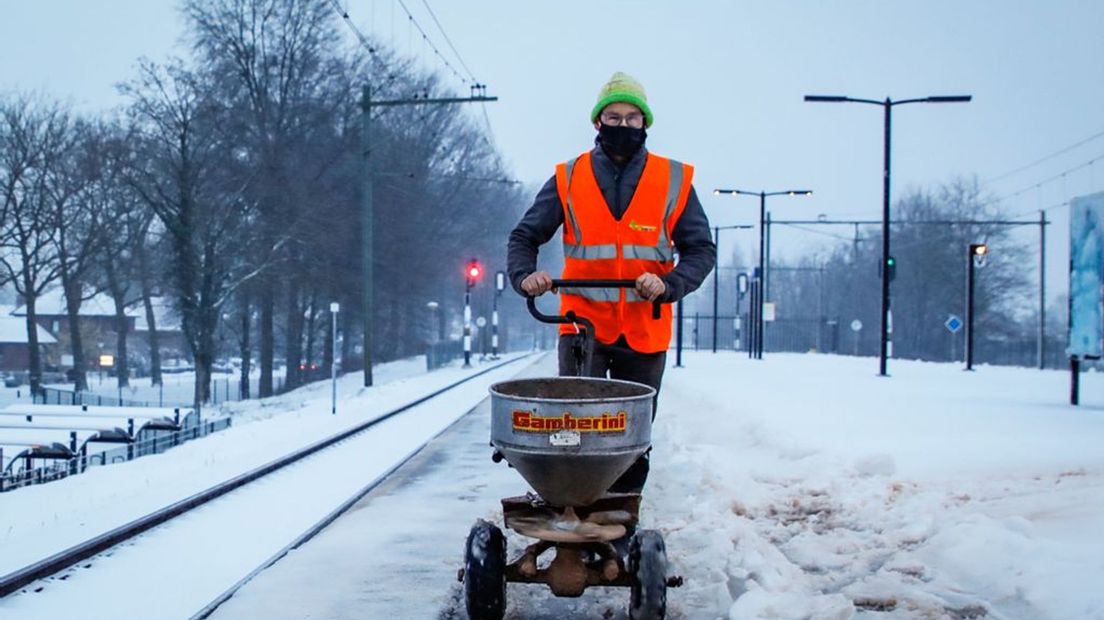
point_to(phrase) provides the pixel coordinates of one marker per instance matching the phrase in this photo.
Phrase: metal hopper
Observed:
(571, 437)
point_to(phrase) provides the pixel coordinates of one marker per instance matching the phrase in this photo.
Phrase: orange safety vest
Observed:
(596, 246)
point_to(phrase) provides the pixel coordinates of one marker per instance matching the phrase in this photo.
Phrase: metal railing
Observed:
(156, 443)
(55, 396)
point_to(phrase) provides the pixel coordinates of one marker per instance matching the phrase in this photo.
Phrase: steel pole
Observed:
(751, 318)
(467, 327)
(759, 297)
(333, 364)
(1042, 289)
(716, 282)
(884, 335)
(367, 229)
(970, 308)
(767, 262)
(494, 326)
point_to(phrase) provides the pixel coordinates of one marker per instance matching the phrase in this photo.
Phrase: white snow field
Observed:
(805, 486)
(798, 486)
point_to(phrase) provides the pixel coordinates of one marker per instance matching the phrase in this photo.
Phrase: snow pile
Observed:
(808, 487)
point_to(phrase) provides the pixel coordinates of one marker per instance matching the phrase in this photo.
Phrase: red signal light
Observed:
(474, 271)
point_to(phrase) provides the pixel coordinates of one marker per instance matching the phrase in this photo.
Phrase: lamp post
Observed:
(976, 255)
(334, 309)
(887, 105)
(716, 278)
(762, 245)
(741, 290)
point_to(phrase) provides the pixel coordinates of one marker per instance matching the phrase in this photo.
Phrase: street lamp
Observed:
(716, 278)
(887, 106)
(762, 228)
(334, 309)
(976, 255)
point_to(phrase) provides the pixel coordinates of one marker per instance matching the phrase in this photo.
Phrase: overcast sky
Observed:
(725, 81)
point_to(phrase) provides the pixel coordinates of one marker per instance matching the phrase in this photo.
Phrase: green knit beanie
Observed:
(624, 88)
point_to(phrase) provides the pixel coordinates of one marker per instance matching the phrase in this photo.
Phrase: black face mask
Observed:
(620, 141)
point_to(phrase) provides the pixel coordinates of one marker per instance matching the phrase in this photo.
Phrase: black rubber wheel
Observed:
(648, 566)
(485, 572)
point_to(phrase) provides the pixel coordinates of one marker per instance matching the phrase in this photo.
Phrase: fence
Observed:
(55, 396)
(56, 469)
(799, 335)
(830, 335)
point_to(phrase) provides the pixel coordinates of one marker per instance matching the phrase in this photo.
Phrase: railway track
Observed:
(302, 479)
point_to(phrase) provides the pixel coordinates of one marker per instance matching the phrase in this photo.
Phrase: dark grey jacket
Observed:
(692, 236)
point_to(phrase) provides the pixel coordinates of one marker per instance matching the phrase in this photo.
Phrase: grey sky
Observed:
(725, 80)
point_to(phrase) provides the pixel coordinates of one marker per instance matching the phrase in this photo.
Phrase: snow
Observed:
(52, 303)
(40, 520)
(798, 486)
(14, 330)
(810, 483)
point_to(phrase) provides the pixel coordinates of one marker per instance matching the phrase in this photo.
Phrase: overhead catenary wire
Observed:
(459, 58)
(1045, 158)
(425, 37)
(1059, 176)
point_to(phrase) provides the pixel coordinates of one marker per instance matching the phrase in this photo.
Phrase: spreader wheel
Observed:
(485, 572)
(647, 563)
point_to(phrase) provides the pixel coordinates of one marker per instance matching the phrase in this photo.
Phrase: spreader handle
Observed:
(656, 314)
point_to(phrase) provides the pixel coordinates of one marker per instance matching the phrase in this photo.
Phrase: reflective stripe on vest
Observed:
(603, 294)
(590, 252)
(662, 252)
(572, 220)
(673, 187)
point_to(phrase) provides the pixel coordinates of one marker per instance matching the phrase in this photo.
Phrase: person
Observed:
(625, 213)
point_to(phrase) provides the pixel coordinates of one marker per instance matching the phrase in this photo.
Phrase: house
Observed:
(15, 353)
(97, 321)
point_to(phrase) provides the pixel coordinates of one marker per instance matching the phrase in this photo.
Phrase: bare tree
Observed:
(80, 193)
(184, 172)
(33, 135)
(275, 59)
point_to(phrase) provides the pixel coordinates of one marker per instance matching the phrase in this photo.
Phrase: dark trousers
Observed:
(618, 361)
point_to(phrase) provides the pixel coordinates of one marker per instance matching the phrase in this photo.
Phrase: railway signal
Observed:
(471, 274)
(474, 272)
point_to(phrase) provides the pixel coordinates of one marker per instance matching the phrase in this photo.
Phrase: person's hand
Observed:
(537, 283)
(650, 286)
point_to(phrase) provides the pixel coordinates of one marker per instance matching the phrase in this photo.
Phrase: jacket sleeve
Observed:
(537, 226)
(697, 253)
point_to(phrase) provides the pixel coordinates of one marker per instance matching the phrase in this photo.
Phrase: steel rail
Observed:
(51, 565)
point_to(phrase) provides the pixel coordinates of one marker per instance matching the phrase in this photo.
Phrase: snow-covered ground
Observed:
(799, 486)
(38, 521)
(805, 486)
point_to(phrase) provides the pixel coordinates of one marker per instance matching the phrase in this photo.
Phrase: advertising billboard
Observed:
(1086, 327)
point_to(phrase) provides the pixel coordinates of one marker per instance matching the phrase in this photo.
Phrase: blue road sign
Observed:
(953, 324)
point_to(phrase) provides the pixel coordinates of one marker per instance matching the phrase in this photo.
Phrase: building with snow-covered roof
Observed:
(15, 352)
